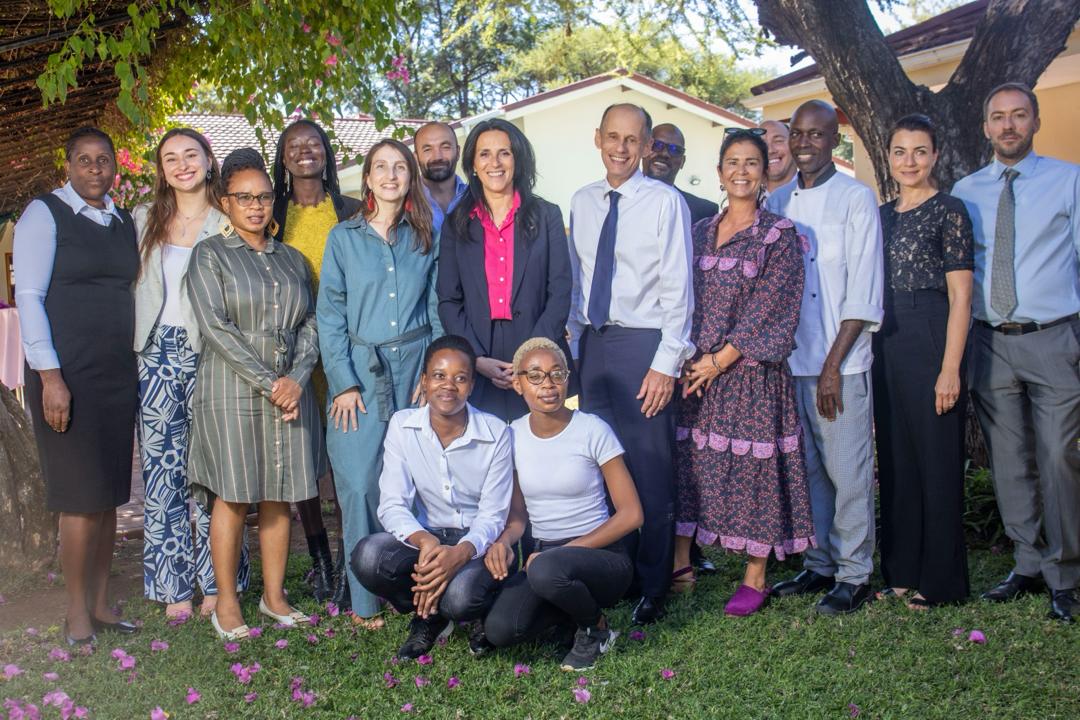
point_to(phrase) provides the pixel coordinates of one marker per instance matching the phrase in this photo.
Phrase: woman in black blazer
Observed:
(504, 263)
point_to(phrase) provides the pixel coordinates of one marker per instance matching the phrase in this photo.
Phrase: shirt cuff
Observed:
(340, 378)
(478, 542)
(43, 359)
(872, 315)
(666, 363)
(406, 529)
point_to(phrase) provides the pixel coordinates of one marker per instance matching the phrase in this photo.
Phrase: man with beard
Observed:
(630, 315)
(781, 168)
(436, 149)
(1025, 210)
(841, 305)
(663, 160)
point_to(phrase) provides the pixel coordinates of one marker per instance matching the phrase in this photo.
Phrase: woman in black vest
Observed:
(76, 261)
(504, 264)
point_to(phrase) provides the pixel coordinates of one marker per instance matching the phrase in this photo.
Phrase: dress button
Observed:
(275, 307)
(500, 299)
(502, 279)
(390, 269)
(393, 323)
(393, 349)
(393, 295)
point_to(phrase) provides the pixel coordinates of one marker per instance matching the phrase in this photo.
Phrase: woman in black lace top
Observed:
(919, 393)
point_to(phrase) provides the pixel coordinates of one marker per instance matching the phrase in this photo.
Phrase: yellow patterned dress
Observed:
(306, 229)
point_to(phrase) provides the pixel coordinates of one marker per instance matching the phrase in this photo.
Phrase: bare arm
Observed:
(828, 391)
(947, 388)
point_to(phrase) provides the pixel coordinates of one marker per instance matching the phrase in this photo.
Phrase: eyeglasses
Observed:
(537, 377)
(751, 131)
(244, 199)
(672, 148)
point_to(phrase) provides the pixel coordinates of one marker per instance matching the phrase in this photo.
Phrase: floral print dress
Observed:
(740, 464)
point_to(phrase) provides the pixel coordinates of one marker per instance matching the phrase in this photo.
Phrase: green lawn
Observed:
(887, 662)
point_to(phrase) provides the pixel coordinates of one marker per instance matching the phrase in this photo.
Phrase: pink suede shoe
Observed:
(746, 601)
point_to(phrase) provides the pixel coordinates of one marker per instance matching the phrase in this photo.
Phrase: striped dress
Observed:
(257, 319)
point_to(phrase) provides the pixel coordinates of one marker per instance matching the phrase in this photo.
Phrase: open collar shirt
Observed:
(465, 486)
(1046, 252)
(438, 215)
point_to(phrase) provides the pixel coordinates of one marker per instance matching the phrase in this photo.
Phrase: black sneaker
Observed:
(423, 634)
(589, 644)
(478, 642)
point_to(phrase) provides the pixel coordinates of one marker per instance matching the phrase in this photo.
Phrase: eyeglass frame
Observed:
(673, 149)
(546, 375)
(756, 131)
(252, 197)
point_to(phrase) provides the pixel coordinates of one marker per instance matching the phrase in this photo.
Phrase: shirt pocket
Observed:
(830, 245)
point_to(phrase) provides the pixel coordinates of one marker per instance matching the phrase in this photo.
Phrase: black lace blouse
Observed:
(924, 243)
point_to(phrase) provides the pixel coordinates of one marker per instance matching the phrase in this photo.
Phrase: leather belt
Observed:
(1029, 327)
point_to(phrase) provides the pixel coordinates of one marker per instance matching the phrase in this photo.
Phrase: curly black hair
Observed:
(241, 159)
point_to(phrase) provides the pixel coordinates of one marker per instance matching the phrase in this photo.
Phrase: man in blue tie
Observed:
(1025, 361)
(630, 325)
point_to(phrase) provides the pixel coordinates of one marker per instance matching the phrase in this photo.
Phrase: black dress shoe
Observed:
(1062, 605)
(1011, 588)
(844, 598)
(807, 582)
(120, 627)
(648, 610)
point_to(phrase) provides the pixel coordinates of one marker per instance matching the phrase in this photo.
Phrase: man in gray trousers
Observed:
(1025, 362)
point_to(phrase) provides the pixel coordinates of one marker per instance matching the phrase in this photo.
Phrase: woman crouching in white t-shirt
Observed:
(562, 459)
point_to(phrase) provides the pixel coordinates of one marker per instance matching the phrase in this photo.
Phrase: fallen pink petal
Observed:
(582, 681)
(407, 707)
(192, 696)
(12, 671)
(159, 645)
(158, 714)
(424, 660)
(452, 683)
(251, 697)
(32, 632)
(582, 695)
(521, 669)
(255, 632)
(281, 644)
(957, 632)
(421, 681)
(977, 637)
(231, 647)
(314, 620)
(61, 655)
(313, 639)
(853, 710)
(331, 609)
(390, 680)
(637, 635)
(667, 673)
(50, 677)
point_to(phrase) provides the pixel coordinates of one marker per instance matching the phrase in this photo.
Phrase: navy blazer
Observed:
(540, 296)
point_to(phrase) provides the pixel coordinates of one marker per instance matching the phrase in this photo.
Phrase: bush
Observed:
(982, 522)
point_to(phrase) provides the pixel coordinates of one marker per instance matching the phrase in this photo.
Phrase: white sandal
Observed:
(294, 618)
(239, 633)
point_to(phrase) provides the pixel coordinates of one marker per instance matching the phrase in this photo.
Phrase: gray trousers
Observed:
(1026, 390)
(840, 468)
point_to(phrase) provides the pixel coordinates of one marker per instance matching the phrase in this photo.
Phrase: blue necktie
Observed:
(604, 269)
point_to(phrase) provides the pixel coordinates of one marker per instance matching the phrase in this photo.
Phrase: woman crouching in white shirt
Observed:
(563, 459)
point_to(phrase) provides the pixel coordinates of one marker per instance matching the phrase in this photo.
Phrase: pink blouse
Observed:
(499, 258)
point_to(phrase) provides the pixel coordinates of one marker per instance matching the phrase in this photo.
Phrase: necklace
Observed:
(186, 220)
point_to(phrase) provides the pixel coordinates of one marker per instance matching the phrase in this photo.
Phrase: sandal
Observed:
(373, 623)
(919, 603)
(683, 580)
(889, 593)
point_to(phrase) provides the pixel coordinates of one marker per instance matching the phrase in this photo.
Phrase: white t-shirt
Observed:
(174, 262)
(560, 476)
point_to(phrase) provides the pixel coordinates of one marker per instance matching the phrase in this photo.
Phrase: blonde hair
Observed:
(538, 343)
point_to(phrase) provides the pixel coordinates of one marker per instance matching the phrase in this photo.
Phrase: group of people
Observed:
(263, 331)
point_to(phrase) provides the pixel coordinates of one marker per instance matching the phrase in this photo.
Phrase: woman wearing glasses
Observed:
(567, 463)
(253, 410)
(504, 266)
(740, 469)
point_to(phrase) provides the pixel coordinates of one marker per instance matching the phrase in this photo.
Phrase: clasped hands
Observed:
(434, 569)
(285, 394)
(699, 375)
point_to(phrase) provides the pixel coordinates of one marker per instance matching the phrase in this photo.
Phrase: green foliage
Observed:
(265, 57)
(982, 521)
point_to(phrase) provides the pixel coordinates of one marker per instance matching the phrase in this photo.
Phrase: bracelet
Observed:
(714, 363)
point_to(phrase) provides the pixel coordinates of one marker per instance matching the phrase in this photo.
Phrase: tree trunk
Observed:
(1015, 41)
(28, 531)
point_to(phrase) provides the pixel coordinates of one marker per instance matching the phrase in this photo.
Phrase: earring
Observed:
(209, 174)
(408, 205)
(273, 228)
(288, 183)
(227, 230)
(370, 201)
(324, 173)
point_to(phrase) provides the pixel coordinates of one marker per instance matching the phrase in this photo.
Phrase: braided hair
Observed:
(241, 159)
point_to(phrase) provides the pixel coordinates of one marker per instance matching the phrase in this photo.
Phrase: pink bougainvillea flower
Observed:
(281, 644)
(977, 637)
(255, 632)
(853, 710)
(424, 660)
(314, 619)
(180, 619)
(231, 647)
(192, 696)
(333, 39)
(60, 655)
(307, 699)
(127, 663)
(56, 698)
(637, 635)
(521, 669)
(51, 576)
(158, 714)
(313, 639)
(32, 632)
(50, 677)
(329, 633)
(331, 609)
(159, 645)
(441, 641)
(332, 60)
(12, 671)
(421, 681)
(582, 695)
(390, 680)
(305, 27)
(251, 697)
(667, 673)
(407, 707)
(452, 683)
(582, 681)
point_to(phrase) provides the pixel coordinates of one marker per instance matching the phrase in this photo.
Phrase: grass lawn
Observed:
(887, 662)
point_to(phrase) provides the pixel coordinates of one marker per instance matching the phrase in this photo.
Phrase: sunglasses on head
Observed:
(750, 131)
(672, 148)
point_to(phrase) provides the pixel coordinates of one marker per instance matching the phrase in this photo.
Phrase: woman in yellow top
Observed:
(307, 204)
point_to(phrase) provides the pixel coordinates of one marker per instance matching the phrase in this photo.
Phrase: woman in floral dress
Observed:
(740, 470)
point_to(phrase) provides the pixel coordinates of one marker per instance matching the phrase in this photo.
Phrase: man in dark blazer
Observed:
(663, 160)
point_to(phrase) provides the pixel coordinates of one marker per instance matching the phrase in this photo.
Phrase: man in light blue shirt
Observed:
(1025, 363)
(436, 148)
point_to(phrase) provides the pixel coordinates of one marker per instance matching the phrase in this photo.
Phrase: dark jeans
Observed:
(384, 565)
(613, 364)
(563, 584)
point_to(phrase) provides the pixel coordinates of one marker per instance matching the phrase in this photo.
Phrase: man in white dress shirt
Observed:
(444, 495)
(629, 324)
(841, 306)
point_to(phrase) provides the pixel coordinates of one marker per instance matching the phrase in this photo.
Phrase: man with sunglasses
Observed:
(663, 160)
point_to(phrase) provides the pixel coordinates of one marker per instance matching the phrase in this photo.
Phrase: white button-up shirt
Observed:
(845, 270)
(466, 485)
(651, 286)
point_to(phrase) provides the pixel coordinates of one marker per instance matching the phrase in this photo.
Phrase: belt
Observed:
(1029, 327)
(282, 338)
(380, 367)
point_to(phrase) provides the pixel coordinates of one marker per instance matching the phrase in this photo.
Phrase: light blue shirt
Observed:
(466, 485)
(34, 254)
(1047, 247)
(438, 215)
